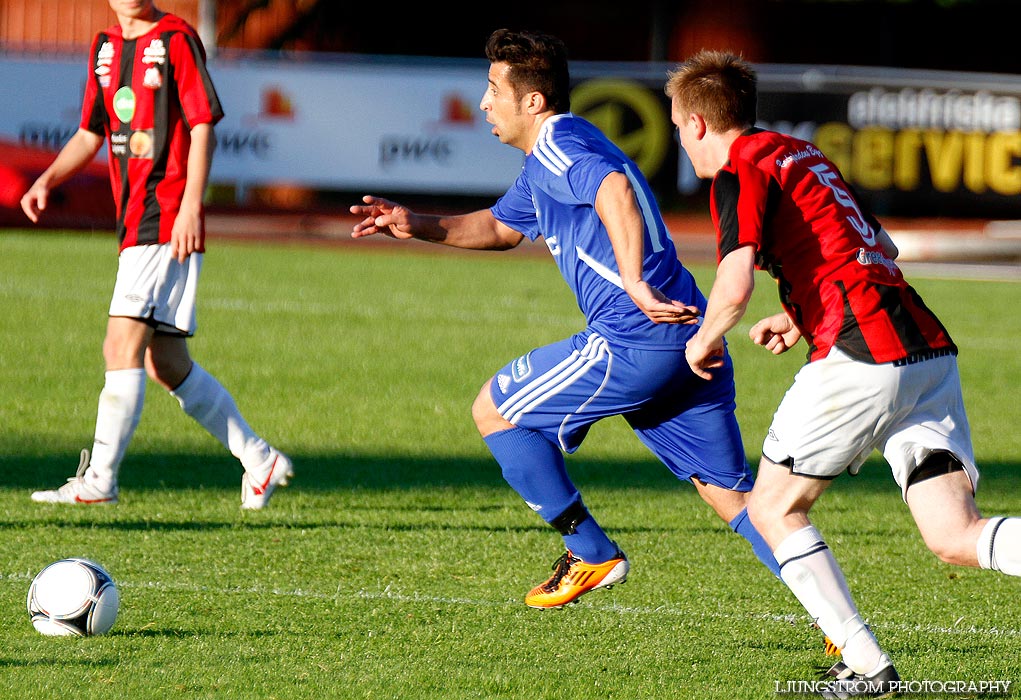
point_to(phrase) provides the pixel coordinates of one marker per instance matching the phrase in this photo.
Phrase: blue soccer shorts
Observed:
(561, 389)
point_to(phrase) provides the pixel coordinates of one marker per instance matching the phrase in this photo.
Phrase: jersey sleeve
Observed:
(739, 200)
(94, 117)
(199, 102)
(515, 209)
(586, 174)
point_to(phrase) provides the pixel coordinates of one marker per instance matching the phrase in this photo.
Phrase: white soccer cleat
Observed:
(256, 490)
(77, 490)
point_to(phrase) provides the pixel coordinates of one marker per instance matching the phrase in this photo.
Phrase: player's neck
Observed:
(134, 27)
(533, 133)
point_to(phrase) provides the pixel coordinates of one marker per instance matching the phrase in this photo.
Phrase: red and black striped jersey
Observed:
(144, 95)
(784, 197)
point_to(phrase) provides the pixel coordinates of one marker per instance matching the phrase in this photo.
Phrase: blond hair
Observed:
(718, 85)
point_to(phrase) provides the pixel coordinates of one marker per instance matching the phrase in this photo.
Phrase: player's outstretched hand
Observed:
(382, 216)
(660, 308)
(776, 333)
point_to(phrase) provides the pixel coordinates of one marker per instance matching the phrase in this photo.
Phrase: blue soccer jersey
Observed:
(554, 197)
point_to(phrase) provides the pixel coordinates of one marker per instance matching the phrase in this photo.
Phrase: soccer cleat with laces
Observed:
(255, 493)
(573, 578)
(78, 490)
(845, 683)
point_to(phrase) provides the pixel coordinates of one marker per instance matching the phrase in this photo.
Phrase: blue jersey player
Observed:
(597, 215)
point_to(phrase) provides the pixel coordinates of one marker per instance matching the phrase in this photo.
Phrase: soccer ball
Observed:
(73, 597)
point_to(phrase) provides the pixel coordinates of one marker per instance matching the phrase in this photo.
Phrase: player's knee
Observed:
(758, 509)
(764, 505)
(120, 354)
(479, 408)
(487, 419)
(167, 370)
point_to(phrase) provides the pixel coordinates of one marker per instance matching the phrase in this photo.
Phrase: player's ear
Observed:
(701, 128)
(535, 103)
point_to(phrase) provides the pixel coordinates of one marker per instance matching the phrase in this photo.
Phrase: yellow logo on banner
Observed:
(611, 104)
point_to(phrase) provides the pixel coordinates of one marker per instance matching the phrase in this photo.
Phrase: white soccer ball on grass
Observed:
(73, 597)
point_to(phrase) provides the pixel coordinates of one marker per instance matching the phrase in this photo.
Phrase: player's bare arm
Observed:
(776, 333)
(75, 155)
(619, 212)
(478, 230)
(728, 301)
(186, 236)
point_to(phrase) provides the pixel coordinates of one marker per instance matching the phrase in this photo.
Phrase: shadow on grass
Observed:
(324, 473)
(64, 663)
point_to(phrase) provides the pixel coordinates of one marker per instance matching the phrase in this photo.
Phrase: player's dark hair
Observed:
(537, 62)
(720, 86)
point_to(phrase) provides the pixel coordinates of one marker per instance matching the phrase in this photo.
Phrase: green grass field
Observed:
(395, 564)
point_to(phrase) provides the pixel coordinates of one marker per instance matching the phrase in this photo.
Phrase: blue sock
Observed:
(534, 467)
(590, 543)
(743, 526)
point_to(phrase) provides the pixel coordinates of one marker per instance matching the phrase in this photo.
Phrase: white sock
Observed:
(208, 402)
(120, 408)
(999, 546)
(808, 568)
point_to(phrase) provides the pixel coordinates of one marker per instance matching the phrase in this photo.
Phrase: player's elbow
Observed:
(735, 297)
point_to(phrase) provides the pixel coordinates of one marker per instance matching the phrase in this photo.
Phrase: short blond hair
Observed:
(718, 85)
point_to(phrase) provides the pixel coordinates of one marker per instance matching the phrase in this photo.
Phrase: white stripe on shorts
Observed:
(554, 380)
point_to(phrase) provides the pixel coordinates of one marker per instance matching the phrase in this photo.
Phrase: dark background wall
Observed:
(970, 35)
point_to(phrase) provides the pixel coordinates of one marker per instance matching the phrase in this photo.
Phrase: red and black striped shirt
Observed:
(783, 196)
(144, 95)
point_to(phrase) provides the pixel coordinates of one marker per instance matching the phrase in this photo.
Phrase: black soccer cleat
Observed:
(845, 683)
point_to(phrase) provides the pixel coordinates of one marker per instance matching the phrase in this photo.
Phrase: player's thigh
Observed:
(692, 428)
(829, 419)
(702, 442)
(563, 388)
(931, 418)
(154, 286)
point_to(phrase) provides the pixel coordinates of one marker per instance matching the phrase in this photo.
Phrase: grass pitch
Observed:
(395, 564)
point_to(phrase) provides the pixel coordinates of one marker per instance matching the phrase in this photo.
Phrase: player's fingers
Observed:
(30, 206)
(383, 220)
(672, 312)
(705, 374)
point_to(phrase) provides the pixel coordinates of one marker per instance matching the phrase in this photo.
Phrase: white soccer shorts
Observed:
(154, 287)
(839, 410)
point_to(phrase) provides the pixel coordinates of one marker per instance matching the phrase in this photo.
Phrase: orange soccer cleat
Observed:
(573, 578)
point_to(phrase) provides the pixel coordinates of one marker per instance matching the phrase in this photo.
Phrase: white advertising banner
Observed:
(339, 125)
(912, 143)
